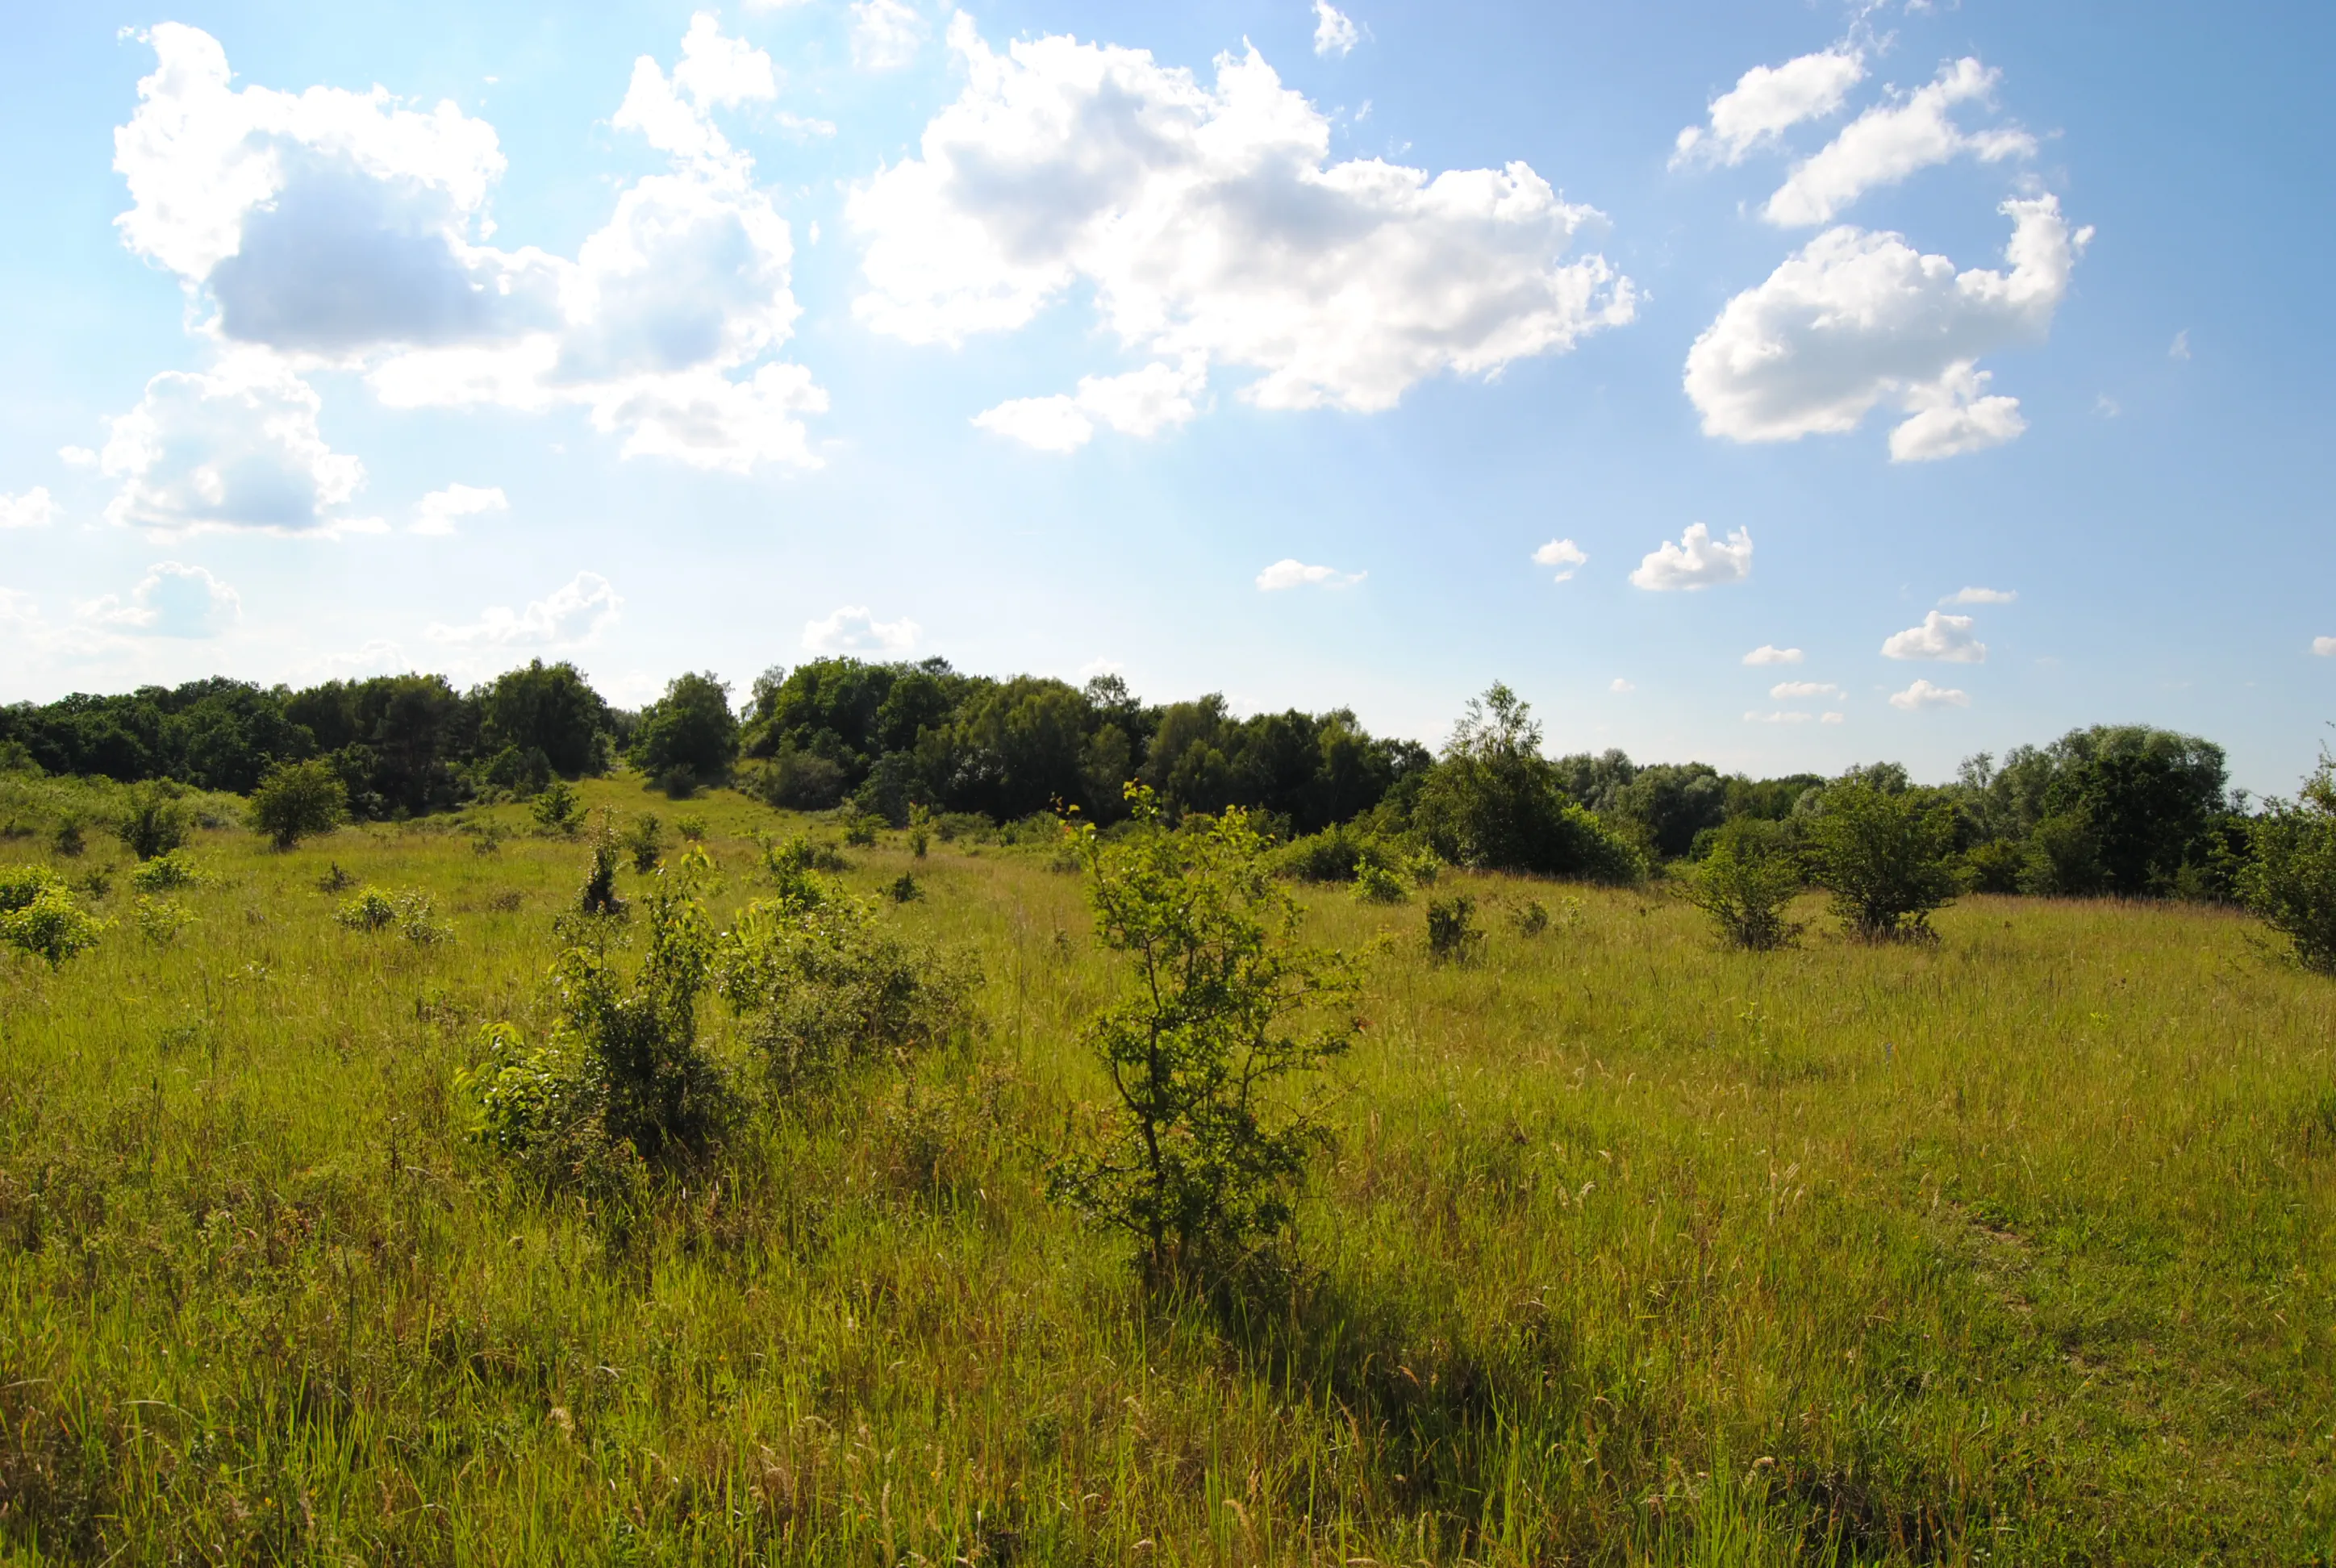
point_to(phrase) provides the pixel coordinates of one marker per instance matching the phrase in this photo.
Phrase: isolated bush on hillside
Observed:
(821, 986)
(599, 894)
(154, 821)
(300, 799)
(1452, 935)
(1495, 802)
(1224, 1013)
(644, 839)
(689, 736)
(38, 916)
(557, 808)
(1886, 855)
(1746, 880)
(2291, 883)
(165, 874)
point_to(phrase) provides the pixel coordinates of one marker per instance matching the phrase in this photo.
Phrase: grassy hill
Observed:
(2014, 1247)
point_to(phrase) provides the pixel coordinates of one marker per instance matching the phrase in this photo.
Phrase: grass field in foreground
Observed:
(2013, 1248)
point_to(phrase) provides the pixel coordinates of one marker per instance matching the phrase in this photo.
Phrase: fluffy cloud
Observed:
(575, 612)
(337, 226)
(172, 599)
(235, 448)
(1292, 573)
(33, 509)
(1697, 560)
(1795, 690)
(1562, 552)
(1890, 141)
(1855, 319)
(1922, 695)
(1790, 716)
(1141, 402)
(2325, 646)
(1620, 688)
(1945, 638)
(439, 508)
(1767, 100)
(884, 34)
(1334, 31)
(853, 629)
(1214, 230)
(1769, 653)
(1980, 596)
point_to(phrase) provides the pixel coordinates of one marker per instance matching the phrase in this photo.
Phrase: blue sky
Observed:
(1258, 348)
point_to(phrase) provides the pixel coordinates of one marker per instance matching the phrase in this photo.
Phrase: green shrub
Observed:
(859, 827)
(49, 925)
(557, 808)
(68, 840)
(646, 840)
(300, 799)
(2291, 883)
(599, 894)
(692, 829)
(823, 986)
(1377, 882)
(1529, 918)
(1453, 937)
(1996, 866)
(1745, 883)
(154, 821)
(160, 920)
(905, 889)
(1203, 1152)
(165, 872)
(1495, 802)
(1888, 856)
(370, 911)
(20, 885)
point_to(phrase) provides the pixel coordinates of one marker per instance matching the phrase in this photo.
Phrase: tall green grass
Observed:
(2009, 1248)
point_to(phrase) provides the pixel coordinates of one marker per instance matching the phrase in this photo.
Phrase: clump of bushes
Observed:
(411, 912)
(1745, 882)
(1886, 855)
(39, 917)
(2290, 881)
(1452, 935)
(166, 873)
(557, 808)
(645, 841)
(154, 821)
(160, 920)
(1495, 802)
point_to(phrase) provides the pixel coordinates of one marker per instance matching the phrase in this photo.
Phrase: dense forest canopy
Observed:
(2126, 810)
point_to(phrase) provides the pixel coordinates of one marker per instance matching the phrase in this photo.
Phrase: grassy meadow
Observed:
(2009, 1248)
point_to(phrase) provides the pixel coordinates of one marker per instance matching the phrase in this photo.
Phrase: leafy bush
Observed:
(67, 840)
(557, 808)
(823, 986)
(1495, 802)
(794, 781)
(154, 821)
(160, 920)
(1207, 1144)
(411, 911)
(688, 735)
(20, 885)
(1888, 856)
(599, 894)
(1377, 882)
(692, 829)
(905, 889)
(1529, 918)
(1996, 866)
(1453, 937)
(2291, 884)
(300, 799)
(1746, 882)
(623, 1064)
(165, 874)
(859, 827)
(370, 911)
(646, 840)
(48, 925)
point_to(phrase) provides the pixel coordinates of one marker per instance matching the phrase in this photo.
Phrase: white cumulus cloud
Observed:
(2325, 646)
(1767, 100)
(1945, 638)
(33, 509)
(1922, 695)
(1335, 31)
(173, 599)
(1697, 560)
(238, 447)
(439, 508)
(1833, 717)
(1562, 553)
(1141, 402)
(1211, 230)
(1293, 574)
(885, 35)
(1792, 716)
(576, 612)
(1620, 688)
(1795, 690)
(1892, 140)
(853, 629)
(344, 228)
(1769, 653)
(1980, 596)
(1854, 321)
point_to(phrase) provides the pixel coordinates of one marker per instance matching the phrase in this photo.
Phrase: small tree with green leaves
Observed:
(300, 799)
(2291, 883)
(1225, 1014)
(1747, 882)
(557, 808)
(38, 916)
(154, 821)
(1886, 855)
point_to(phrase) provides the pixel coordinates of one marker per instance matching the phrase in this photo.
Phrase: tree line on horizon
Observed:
(2126, 810)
